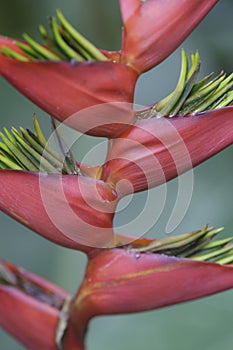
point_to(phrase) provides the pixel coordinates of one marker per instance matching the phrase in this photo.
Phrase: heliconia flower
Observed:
(71, 210)
(184, 129)
(157, 150)
(145, 275)
(153, 29)
(39, 304)
(130, 280)
(90, 76)
(70, 82)
(40, 181)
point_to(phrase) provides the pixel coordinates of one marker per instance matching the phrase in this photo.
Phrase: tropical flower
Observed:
(92, 76)
(146, 275)
(49, 194)
(179, 132)
(157, 150)
(68, 84)
(151, 275)
(73, 204)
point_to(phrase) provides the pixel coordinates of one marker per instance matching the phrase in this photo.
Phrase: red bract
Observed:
(123, 281)
(77, 211)
(39, 311)
(157, 150)
(153, 29)
(151, 32)
(70, 210)
(62, 89)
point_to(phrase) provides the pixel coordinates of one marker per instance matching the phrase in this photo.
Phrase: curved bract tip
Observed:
(153, 29)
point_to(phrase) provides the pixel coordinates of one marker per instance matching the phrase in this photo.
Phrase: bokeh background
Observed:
(205, 324)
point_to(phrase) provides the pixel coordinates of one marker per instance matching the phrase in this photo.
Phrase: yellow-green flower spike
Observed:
(69, 52)
(192, 96)
(80, 39)
(13, 54)
(24, 150)
(63, 42)
(69, 161)
(197, 245)
(47, 54)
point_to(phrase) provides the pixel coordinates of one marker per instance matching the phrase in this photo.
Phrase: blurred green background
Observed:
(205, 324)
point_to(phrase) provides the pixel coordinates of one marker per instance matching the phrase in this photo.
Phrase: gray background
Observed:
(205, 324)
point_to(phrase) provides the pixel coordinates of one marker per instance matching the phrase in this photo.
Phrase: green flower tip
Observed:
(192, 96)
(62, 42)
(26, 150)
(197, 245)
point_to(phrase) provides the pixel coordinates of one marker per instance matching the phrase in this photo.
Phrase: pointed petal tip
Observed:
(154, 29)
(120, 281)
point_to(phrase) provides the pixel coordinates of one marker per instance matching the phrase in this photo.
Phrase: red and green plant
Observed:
(73, 204)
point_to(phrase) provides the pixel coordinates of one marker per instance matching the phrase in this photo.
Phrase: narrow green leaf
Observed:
(223, 88)
(65, 43)
(24, 150)
(217, 244)
(212, 254)
(186, 91)
(43, 32)
(40, 150)
(5, 151)
(13, 54)
(3, 166)
(201, 83)
(74, 45)
(198, 245)
(39, 132)
(19, 155)
(81, 40)
(47, 54)
(191, 96)
(33, 55)
(225, 101)
(10, 137)
(10, 164)
(4, 148)
(49, 42)
(72, 54)
(174, 242)
(195, 58)
(41, 138)
(226, 259)
(169, 104)
(204, 92)
(43, 163)
(69, 161)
